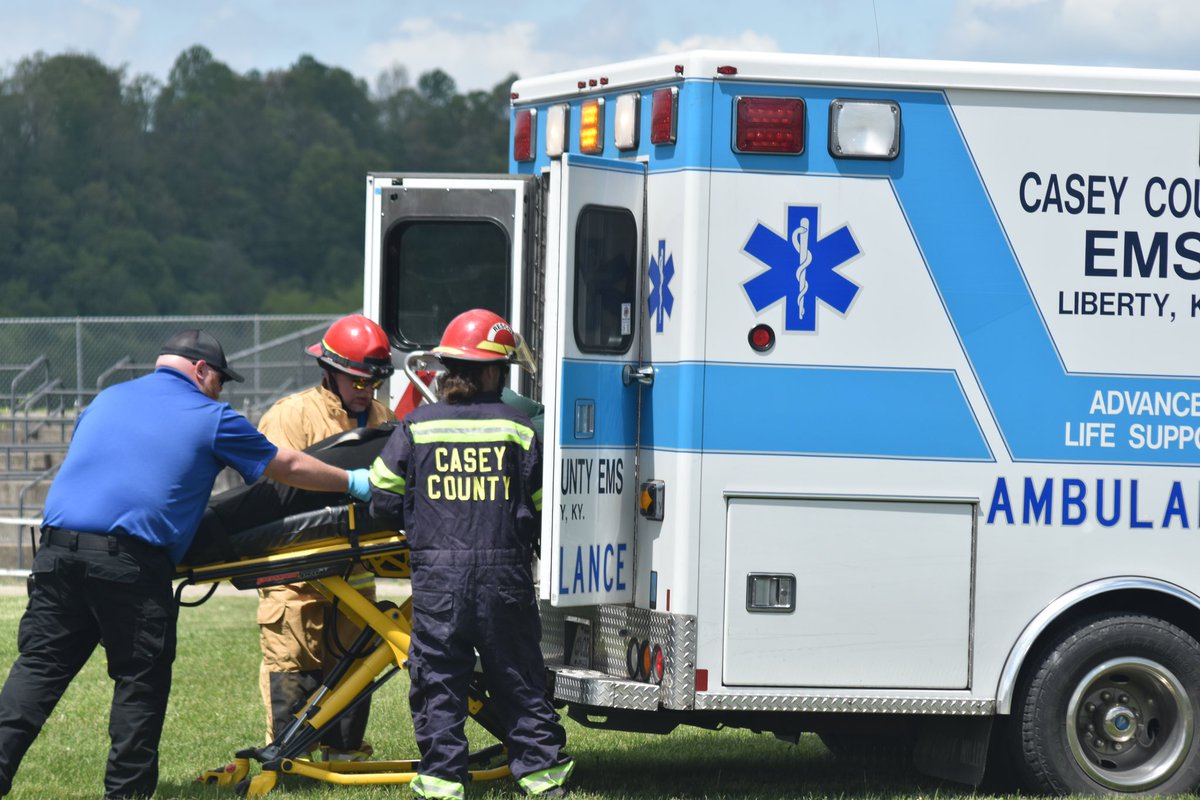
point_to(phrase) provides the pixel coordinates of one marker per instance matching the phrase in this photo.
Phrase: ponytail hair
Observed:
(462, 381)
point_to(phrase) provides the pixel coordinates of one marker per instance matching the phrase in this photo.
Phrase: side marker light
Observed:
(761, 338)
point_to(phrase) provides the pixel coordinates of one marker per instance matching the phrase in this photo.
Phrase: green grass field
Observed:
(215, 710)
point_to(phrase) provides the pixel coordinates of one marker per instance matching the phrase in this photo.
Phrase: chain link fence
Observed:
(51, 368)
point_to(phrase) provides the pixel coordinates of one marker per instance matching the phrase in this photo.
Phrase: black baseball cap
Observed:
(200, 345)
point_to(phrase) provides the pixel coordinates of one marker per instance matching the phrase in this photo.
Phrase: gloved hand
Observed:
(360, 485)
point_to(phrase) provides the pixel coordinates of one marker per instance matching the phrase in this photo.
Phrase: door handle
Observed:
(643, 375)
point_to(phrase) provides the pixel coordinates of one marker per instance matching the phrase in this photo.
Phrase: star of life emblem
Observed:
(801, 268)
(661, 301)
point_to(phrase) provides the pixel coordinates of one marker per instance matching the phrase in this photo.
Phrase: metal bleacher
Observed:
(38, 413)
(36, 418)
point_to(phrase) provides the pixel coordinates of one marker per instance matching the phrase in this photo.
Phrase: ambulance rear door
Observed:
(596, 235)
(438, 245)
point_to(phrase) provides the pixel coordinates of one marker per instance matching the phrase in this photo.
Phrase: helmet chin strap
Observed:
(330, 383)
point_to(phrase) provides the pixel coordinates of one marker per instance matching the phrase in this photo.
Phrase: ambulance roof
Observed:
(860, 71)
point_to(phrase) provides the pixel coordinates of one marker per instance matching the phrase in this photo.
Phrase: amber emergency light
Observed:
(591, 126)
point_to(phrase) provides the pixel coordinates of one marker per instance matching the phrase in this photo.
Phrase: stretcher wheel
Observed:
(228, 775)
(258, 786)
(261, 784)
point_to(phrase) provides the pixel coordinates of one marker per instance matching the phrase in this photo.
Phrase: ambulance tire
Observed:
(1113, 707)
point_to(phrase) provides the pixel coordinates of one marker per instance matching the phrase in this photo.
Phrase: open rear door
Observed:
(594, 268)
(438, 245)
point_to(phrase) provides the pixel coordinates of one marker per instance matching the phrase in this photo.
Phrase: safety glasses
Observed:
(367, 383)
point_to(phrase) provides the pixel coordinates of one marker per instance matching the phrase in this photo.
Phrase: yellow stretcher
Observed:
(333, 541)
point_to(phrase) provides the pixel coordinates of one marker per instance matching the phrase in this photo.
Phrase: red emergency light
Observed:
(664, 113)
(769, 125)
(524, 134)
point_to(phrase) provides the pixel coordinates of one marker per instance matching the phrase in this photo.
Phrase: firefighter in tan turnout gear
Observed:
(297, 642)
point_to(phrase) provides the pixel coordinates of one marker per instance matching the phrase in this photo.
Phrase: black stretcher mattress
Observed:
(267, 517)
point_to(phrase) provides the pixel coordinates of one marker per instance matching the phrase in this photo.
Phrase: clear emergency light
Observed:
(769, 125)
(525, 134)
(625, 121)
(664, 108)
(558, 123)
(864, 129)
(591, 126)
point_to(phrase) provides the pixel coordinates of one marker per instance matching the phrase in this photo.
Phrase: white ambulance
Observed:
(872, 397)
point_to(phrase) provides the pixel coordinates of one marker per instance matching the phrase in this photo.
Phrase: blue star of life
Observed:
(661, 301)
(800, 268)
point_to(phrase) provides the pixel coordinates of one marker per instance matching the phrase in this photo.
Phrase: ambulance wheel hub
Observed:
(1129, 723)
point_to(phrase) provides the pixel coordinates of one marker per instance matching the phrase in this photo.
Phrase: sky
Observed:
(480, 42)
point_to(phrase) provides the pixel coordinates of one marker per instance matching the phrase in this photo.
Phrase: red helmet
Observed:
(357, 346)
(482, 335)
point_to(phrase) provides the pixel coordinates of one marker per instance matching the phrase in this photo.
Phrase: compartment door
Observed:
(848, 593)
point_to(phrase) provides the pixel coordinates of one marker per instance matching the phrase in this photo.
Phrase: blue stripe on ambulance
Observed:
(771, 410)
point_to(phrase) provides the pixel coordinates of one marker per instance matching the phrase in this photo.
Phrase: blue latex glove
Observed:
(360, 485)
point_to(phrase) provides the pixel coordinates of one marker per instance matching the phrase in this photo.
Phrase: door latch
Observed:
(643, 375)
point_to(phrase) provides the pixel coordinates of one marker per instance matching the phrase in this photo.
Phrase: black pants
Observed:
(456, 611)
(79, 598)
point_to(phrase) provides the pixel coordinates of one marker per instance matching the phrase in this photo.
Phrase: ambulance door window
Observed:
(435, 270)
(605, 279)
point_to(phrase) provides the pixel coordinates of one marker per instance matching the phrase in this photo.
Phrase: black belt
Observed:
(112, 543)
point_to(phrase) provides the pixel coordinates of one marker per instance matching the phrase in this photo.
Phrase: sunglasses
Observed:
(367, 383)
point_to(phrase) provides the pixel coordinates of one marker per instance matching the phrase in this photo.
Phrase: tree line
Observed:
(216, 192)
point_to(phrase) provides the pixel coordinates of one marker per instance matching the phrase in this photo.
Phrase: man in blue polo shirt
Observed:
(119, 516)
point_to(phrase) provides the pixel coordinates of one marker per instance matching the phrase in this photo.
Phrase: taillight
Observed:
(769, 125)
(524, 134)
(633, 658)
(645, 661)
(664, 107)
(591, 126)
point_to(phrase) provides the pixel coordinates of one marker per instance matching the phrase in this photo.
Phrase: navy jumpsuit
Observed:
(469, 479)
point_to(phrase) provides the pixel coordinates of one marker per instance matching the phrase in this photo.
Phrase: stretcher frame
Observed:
(386, 630)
